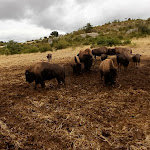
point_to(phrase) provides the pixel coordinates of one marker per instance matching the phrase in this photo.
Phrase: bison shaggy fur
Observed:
(42, 71)
(108, 70)
(136, 59)
(103, 57)
(122, 50)
(76, 65)
(86, 58)
(99, 51)
(123, 60)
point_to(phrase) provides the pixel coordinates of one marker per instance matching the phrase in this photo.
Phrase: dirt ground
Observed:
(84, 115)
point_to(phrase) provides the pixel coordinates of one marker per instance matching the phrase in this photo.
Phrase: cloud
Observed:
(66, 15)
(22, 31)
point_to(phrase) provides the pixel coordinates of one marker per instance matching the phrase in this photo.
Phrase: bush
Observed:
(61, 44)
(14, 47)
(144, 29)
(5, 51)
(108, 41)
(45, 48)
(127, 42)
(31, 50)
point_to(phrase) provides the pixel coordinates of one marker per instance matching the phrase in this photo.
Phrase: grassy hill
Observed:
(109, 34)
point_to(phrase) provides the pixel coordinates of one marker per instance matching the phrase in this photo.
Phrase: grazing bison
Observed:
(123, 59)
(86, 58)
(45, 71)
(49, 57)
(108, 70)
(99, 51)
(76, 65)
(122, 50)
(103, 57)
(111, 51)
(136, 59)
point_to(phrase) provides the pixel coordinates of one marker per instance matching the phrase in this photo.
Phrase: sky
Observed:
(24, 20)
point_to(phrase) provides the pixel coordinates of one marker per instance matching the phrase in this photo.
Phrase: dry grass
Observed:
(141, 45)
(84, 115)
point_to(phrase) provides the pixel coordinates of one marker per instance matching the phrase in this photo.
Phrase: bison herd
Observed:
(109, 56)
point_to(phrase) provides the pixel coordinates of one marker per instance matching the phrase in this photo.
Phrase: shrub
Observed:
(14, 47)
(109, 41)
(45, 48)
(5, 51)
(144, 29)
(32, 49)
(61, 44)
(127, 42)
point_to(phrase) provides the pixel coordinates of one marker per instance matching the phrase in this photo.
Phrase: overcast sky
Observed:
(22, 20)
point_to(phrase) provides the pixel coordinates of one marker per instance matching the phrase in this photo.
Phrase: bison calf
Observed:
(49, 57)
(45, 71)
(108, 70)
(136, 59)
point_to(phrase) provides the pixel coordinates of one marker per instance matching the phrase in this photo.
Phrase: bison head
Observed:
(30, 76)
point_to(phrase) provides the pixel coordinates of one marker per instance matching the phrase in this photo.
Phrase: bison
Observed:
(49, 57)
(123, 59)
(108, 70)
(76, 65)
(111, 51)
(42, 71)
(136, 59)
(99, 51)
(86, 58)
(122, 50)
(103, 57)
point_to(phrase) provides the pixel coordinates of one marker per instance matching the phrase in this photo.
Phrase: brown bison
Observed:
(108, 70)
(99, 51)
(103, 57)
(123, 60)
(49, 57)
(122, 50)
(76, 65)
(42, 71)
(86, 58)
(136, 59)
(111, 51)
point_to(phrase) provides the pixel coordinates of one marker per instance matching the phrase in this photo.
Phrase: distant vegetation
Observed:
(110, 34)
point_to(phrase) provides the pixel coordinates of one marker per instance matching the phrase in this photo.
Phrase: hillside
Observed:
(109, 34)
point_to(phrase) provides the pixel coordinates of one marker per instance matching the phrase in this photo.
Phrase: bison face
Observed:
(30, 76)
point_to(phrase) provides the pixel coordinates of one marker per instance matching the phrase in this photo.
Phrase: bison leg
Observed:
(101, 73)
(106, 78)
(36, 83)
(42, 84)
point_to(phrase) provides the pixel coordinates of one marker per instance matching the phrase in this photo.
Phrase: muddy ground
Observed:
(83, 115)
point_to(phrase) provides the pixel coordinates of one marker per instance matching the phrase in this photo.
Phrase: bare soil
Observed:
(85, 114)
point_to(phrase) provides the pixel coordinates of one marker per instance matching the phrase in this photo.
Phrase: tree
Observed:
(54, 33)
(14, 47)
(88, 27)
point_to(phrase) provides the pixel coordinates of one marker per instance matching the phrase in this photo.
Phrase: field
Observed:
(85, 114)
